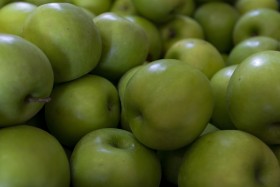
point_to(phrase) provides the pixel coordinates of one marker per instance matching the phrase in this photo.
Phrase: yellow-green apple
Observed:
(219, 83)
(114, 157)
(188, 8)
(80, 106)
(252, 96)
(199, 53)
(250, 46)
(32, 157)
(68, 36)
(229, 158)
(167, 104)
(95, 6)
(244, 6)
(26, 79)
(13, 16)
(258, 22)
(124, 7)
(119, 53)
(218, 20)
(179, 27)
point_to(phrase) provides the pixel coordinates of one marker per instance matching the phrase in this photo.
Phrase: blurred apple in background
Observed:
(114, 157)
(95, 6)
(198, 53)
(244, 6)
(252, 96)
(123, 7)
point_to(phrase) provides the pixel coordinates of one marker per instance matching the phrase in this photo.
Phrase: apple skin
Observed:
(252, 96)
(19, 85)
(244, 6)
(167, 104)
(123, 7)
(114, 157)
(229, 158)
(255, 23)
(32, 157)
(217, 20)
(198, 53)
(95, 6)
(72, 43)
(80, 106)
(250, 46)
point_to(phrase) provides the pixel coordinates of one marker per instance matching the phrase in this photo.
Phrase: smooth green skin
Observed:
(180, 27)
(219, 83)
(123, 7)
(80, 106)
(255, 23)
(19, 60)
(172, 109)
(119, 53)
(32, 157)
(199, 53)
(95, 6)
(229, 158)
(41, 2)
(218, 20)
(123, 160)
(251, 46)
(72, 43)
(153, 34)
(13, 16)
(252, 96)
(244, 6)
(188, 8)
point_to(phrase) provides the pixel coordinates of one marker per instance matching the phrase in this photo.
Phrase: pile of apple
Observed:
(139, 93)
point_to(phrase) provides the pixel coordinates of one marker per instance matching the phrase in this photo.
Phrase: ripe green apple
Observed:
(218, 20)
(124, 7)
(258, 22)
(244, 6)
(68, 36)
(114, 157)
(199, 53)
(177, 28)
(26, 79)
(252, 96)
(250, 46)
(80, 106)
(219, 83)
(124, 45)
(13, 16)
(167, 104)
(188, 8)
(31, 156)
(41, 2)
(95, 6)
(229, 158)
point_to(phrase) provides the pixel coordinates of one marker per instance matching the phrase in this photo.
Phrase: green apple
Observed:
(258, 22)
(68, 36)
(179, 27)
(188, 8)
(31, 156)
(199, 53)
(95, 6)
(26, 79)
(244, 6)
(229, 158)
(13, 16)
(114, 157)
(41, 2)
(167, 104)
(80, 106)
(219, 83)
(125, 45)
(252, 96)
(250, 46)
(124, 7)
(218, 20)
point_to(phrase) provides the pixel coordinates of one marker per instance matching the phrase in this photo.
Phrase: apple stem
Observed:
(38, 99)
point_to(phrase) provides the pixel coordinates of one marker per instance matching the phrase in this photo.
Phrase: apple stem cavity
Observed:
(31, 99)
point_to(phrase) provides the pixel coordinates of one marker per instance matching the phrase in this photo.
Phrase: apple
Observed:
(258, 22)
(188, 8)
(41, 2)
(250, 46)
(167, 104)
(229, 158)
(114, 157)
(124, 7)
(31, 156)
(219, 83)
(252, 96)
(199, 53)
(244, 6)
(95, 6)
(23, 92)
(80, 106)
(13, 16)
(119, 53)
(68, 36)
